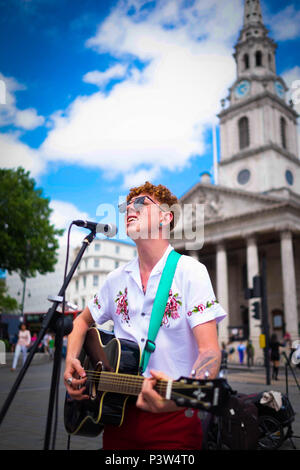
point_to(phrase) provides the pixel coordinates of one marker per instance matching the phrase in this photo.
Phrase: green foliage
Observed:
(7, 303)
(28, 242)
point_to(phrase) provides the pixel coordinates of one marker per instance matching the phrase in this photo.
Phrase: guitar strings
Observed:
(127, 380)
(136, 379)
(123, 377)
(161, 387)
(133, 379)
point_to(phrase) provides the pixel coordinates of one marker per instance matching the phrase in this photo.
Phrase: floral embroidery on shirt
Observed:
(202, 307)
(122, 305)
(171, 310)
(96, 301)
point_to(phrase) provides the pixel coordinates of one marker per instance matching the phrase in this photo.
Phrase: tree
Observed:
(7, 303)
(28, 242)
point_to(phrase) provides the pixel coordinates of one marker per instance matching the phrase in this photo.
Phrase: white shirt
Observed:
(191, 302)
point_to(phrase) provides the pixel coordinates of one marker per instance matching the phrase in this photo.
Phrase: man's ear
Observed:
(167, 217)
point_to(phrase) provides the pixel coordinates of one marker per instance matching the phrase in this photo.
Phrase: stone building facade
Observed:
(254, 210)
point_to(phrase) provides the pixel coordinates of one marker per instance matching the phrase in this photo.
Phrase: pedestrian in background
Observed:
(51, 346)
(275, 355)
(46, 340)
(24, 339)
(224, 360)
(241, 350)
(64, 347)
(33, 340)
(250, 353)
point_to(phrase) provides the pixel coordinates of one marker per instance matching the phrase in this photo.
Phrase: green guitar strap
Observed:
(159, 306)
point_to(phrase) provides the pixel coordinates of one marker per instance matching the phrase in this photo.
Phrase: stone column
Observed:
(222, 293)
(289, 284)
(253, 270)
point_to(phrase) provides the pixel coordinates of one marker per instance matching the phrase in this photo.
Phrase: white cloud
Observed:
(62, 216)
(64, 213)
(135, 178)
(291, 77)
(156, 116)
(101, 78)
(27, 119)
(14, 153)
(292, 80)
(285, 25)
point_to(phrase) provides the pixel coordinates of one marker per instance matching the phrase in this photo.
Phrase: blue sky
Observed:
(103, 95)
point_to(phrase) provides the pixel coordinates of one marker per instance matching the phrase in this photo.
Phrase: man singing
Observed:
(186, 343)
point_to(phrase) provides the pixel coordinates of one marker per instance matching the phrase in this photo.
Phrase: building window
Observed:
(76, 285)
(244, 132)
(117, 249)
(116, 264)
(84, 281)
(283, 132)
(97, 247)
(96, 263)
(95, 280)
(83, 302)
(258, 58)
(246, 61)
(244, 176)
(289, 177)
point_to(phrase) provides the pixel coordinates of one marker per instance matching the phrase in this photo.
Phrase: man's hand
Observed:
(150, 400)
(75, 374)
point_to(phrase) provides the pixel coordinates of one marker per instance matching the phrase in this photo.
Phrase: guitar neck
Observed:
(128, 384)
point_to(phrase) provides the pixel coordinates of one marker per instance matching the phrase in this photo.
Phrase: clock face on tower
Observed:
(242, 89)
(279, 88)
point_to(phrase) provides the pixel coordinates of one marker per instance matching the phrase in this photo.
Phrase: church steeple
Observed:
(254, 50)
(259, 149)
(252, 12)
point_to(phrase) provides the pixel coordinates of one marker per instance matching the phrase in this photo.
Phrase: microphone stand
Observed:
(62, 326)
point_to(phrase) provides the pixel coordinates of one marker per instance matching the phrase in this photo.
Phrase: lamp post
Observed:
(23, 295)
(23, 277)
(259, 290)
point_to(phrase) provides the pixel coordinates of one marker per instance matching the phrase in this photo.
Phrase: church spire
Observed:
(252, 12)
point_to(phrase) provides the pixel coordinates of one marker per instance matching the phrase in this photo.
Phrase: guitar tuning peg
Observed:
(180, 401)
(189, 413)
(202, 415)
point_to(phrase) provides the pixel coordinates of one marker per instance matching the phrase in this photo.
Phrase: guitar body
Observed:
(112, 368)
(101, 352)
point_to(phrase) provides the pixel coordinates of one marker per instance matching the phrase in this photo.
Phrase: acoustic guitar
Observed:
(112, 369)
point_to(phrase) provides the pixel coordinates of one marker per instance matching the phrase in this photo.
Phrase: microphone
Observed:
(109, 230)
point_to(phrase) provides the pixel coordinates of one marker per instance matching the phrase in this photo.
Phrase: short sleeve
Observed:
(99, 305)
(202, 305)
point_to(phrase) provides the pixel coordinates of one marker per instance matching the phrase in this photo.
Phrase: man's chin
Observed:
(141, 235)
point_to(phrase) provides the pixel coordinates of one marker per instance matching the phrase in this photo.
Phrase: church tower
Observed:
(258, 128)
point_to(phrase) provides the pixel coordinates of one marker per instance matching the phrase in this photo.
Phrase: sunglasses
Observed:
(138, 203)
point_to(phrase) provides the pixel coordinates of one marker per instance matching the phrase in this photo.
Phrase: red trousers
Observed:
(143, 430)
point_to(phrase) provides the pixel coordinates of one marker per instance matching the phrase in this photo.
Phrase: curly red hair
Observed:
(161, 193)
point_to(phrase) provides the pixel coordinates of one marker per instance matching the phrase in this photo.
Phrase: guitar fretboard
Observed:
(127, 384)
